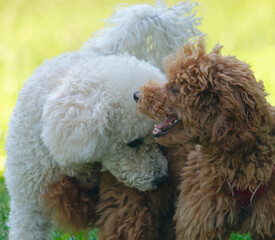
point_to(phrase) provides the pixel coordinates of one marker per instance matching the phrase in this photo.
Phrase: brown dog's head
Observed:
(208, 99)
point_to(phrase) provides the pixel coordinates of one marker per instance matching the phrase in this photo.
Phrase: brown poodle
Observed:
(73, 202)
(120, 212)
(215, 103)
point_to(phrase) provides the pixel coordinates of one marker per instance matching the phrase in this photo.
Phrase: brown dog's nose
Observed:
(136, 96)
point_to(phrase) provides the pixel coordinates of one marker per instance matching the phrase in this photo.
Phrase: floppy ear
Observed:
(74, 123)
(241, 106)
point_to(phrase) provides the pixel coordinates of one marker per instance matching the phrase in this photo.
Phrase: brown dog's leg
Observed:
(124, 212)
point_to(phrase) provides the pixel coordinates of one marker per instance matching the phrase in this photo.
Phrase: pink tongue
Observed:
(165, 123)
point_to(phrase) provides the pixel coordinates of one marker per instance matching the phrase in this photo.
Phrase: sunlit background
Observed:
(33, 30)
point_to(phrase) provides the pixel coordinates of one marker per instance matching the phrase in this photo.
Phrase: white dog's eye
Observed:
(136, 143)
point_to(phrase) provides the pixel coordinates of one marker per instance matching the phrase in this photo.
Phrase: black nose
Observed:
(136, 96)
(160, 181)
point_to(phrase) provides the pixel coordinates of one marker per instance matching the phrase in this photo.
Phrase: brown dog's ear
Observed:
(235, 127)
(242, 112)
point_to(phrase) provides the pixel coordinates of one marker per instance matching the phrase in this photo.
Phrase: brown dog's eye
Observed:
(136, 143)
(175, 88)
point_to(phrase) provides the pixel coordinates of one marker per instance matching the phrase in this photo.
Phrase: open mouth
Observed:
(163, 128)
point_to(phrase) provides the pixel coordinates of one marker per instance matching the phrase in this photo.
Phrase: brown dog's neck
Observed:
(241, 169)
(177, 157)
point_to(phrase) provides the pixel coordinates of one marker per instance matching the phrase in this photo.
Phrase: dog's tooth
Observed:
(156, 130)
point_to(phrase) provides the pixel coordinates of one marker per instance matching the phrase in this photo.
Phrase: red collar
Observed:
(245, 196)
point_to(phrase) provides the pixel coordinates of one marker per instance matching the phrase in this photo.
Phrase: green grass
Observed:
(240, 237)
(33, 30)
(4, 209)
(56, 234)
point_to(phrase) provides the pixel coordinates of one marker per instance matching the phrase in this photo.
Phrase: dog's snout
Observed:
(161, 180)
(136, 95)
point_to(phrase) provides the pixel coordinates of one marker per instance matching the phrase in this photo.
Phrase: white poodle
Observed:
(77, 109)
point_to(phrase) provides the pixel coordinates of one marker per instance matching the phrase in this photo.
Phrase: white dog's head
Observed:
(92, 117)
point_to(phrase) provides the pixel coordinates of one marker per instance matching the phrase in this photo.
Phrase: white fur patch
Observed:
(148, 32)
(78, 108)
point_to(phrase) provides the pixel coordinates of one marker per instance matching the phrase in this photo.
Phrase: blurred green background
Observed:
(33, 30)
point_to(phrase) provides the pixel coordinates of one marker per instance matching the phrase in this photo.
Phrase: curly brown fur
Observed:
(125, 213)
(73, 202)
(223, 111)
(122, 213)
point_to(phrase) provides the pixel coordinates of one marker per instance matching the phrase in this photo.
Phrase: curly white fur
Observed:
(77, 109)
(147, 32)
(90, 113)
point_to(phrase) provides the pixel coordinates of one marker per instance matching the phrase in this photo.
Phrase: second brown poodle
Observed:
(215, 103)
(120, 212)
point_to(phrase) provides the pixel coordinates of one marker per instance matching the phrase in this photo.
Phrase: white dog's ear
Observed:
(75, 124)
